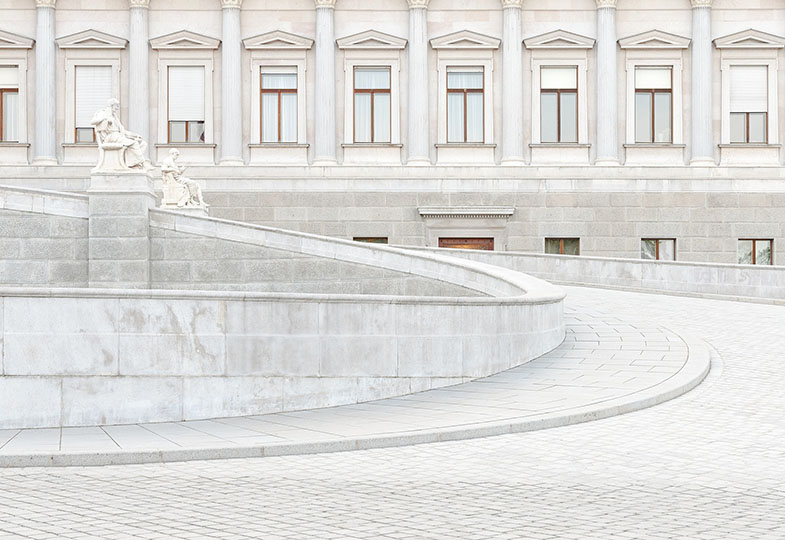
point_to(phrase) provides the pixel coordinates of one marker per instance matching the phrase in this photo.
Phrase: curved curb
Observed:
(688, 377)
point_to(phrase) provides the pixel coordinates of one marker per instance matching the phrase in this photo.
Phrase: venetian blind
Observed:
(559, 78)
(9, 77)
(748, 88)
(653, 78)
(186, 93)
(93, 91)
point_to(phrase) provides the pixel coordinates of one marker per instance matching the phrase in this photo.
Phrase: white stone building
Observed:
(607, 127)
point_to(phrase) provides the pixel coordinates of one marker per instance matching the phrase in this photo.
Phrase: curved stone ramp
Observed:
(605, 367)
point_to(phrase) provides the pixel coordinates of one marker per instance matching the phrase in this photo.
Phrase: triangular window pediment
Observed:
(91, 39)
(559, 39)
(371, 39)
(465, 39)
(14, 41)
(277, 39)
(184, 40)
(654, 39)
(750, 39)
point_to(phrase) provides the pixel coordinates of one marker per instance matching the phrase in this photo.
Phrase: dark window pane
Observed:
(177, 132)
(763, 252)
(649, 249)
(757, 127)
(572, 246)
(553, 246)
(84, 135)
(667, 250)
(738, 127)
(745, 251)
(195, 132)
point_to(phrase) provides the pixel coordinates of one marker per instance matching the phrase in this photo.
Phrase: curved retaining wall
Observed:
(75, 357)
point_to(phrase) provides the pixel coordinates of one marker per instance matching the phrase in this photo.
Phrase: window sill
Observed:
(80, 145)
(655, 145)
(559, 145)
(371, 145)
(13, 144)
(189, 145)
(464, 145)
(749, 145)
(278, 145)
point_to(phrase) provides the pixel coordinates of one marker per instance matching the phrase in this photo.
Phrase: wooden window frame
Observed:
(652, 92)
(277, 91)
(372, 92)
(187, 131)
(465, 91)
(480, 241)
(754, 250)
(747, 127)
(657, 246)
(559, 92)
(561, 244)
(372, 239)
(4, 91)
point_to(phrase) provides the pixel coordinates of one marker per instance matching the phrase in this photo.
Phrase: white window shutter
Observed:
(653, 78)
(186, 93)
(9, 77)
(559, 78)
(748, 89)
(93, 91)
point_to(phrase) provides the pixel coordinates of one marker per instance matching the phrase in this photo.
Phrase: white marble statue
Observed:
(118, 148)
(179, 190)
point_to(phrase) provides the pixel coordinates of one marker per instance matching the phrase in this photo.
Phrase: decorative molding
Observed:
(91, 39)
(465, 39)
(324, 3)
(477, 212)
(231, 4)
(654, 39)
(140, 3)
(14, 41)
(277, 39)
(606, 4)
(750, 39)
(701, 3)
(423, 4)
(559, 39)
(184, 40)
(371, 39)
(512, 4)
(45, 3)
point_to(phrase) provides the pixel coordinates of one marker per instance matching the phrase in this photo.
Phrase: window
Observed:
(563, 246)
(9, 104)
(559, 104)
(484, 244)
(186, 104)
(658, 249)
(653, 105)
(371, 239)
(93, 88)
(372, 105)
(748, 104)
(465, 105)
(755, 251)
(279, 105)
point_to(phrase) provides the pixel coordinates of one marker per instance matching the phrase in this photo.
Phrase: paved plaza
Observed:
(707, 465)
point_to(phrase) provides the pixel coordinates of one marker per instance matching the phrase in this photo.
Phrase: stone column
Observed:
(607, 101)
(231, 85)
(138, 71)
(324, 122)
(419, 149)
(702, 146)
(45, 149)
(512, 88)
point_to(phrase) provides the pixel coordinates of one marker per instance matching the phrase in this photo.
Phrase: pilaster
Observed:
(231, 85)
(45, 148)
(138, 69)
(702, 132)
(324, 122)
(418, 143)
(512, 89)
(607, 99)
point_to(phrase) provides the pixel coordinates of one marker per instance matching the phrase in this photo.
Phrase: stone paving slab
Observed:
(605, 366)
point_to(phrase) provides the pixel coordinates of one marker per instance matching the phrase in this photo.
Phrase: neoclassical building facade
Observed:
(623, 128)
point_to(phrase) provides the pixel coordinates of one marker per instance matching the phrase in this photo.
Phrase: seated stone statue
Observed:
(118, 147)
(190, 193)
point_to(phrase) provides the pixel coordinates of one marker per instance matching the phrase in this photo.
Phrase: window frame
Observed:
(747, 128)
(656, 58)
(559, 92)
(183, 60)
(2, 111)
(653, 92)
(70, 83)
(754, 251)
(657, 247)
(188, 123)
(372, 92)
(278, 91)
(464, 91)
(752, 57)
(561, 240)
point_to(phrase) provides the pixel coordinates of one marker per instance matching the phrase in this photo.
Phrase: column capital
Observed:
(324, 3)
(45, 3)
(413, 4)
(701, 3)
(606, 4)
(231, 4)
(512, 4)
(140, 3)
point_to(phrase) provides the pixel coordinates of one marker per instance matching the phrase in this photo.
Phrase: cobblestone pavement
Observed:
(708, 465)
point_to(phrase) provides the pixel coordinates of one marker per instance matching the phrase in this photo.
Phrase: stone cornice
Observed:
(418, 4)
(231, 4)
(512, 4)
(140, 3)
(701, 3)
(45, 3)
(324, 3)
(606, 4)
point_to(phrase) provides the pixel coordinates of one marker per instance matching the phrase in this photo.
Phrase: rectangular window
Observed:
(756, 251)
(186, 104)
(372, 103)
(658, 249)
(749, 104)
(653, 105)
(484, 244)
(559, 104)
(371, 239)
(465, 105)
(93, 88)
(9, 104)
(279, 105)
(563, 246)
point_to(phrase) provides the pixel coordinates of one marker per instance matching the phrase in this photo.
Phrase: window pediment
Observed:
(14, 41)
(654, 39)
(371, 39)
(465, 39)
(184, 40)
(277, 39)
(750, 39)
(91, 39)
(559, 39)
